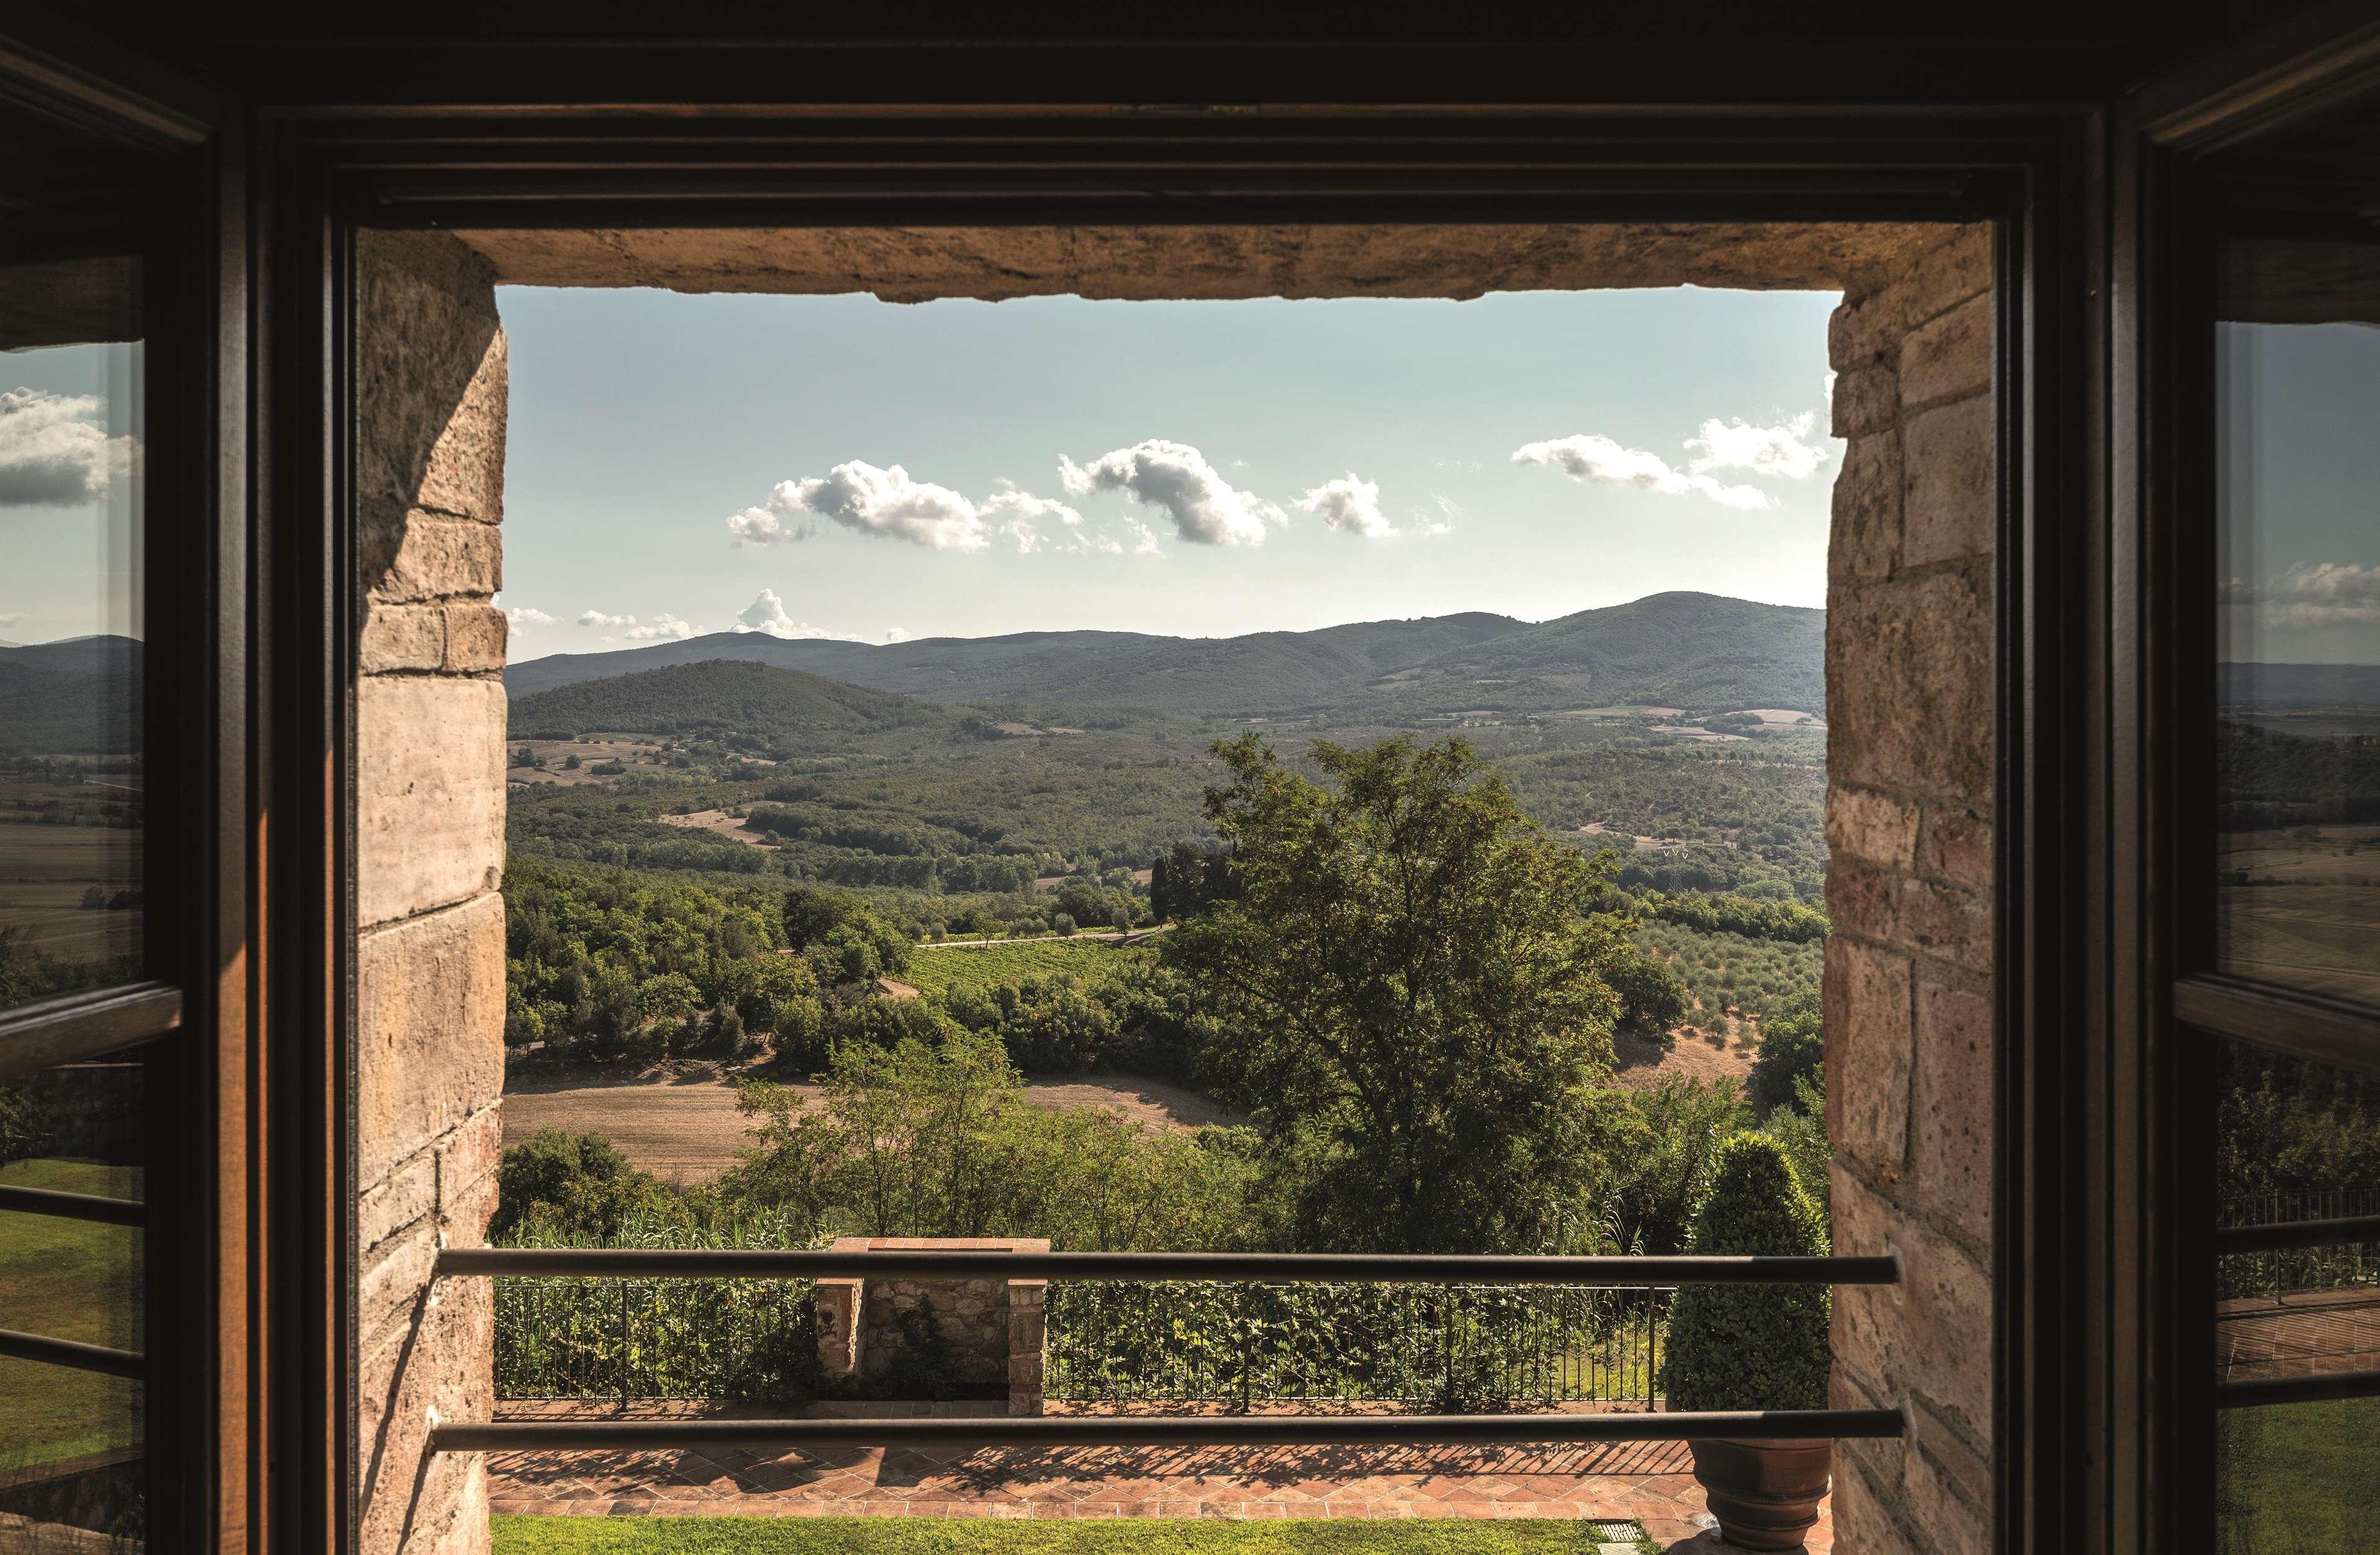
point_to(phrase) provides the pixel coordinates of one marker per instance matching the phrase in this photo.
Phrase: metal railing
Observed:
(2281, 1245)
(1636, 1274)
(1453, 1347)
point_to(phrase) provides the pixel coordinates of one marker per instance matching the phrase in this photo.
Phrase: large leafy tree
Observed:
(1409, 994)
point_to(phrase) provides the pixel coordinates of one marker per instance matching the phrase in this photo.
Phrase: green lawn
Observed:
(2297, 1477)
(67, 1280)
(937, 969)
(940, 1536)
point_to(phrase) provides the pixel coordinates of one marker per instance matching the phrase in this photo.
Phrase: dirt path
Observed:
(684, 1127)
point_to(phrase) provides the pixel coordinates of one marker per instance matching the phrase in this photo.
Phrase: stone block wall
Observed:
(429, 962)
(990, 1332)
(1909, 831)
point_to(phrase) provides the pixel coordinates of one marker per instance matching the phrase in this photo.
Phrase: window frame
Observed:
(2166, 604)
(2088, 1158)
(189, 1015)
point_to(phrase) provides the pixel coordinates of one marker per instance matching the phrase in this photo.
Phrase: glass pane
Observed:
(2297, 470)
(2295, 1141)
(71, 1440)
(71, 764)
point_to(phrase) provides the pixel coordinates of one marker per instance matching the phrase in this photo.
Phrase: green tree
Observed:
(1408, 998)
(1793, 1048)
(1652, 998)
(585, 1185)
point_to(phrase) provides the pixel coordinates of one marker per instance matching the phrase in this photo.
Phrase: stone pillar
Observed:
(429, 739)
(839, 1335)
(1028, 1334)
(1908, 885)
(990, 1330)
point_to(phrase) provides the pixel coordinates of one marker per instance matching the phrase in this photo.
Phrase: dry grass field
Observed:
(45, 871)
(684, 1127)
(2308, 917)
(718, 822)
(637, 755)
(1640, 1064)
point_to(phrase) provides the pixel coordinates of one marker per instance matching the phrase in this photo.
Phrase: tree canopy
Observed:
(1408, 994)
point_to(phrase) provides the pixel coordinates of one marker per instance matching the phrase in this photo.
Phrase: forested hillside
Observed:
(1696, 651)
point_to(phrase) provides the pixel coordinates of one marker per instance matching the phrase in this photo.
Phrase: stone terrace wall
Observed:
(429, 728)
(1909, 828)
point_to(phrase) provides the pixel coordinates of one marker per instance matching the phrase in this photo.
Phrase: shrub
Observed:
(1751, 1346)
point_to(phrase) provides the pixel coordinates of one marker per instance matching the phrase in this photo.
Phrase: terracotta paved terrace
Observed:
(1650, 1482)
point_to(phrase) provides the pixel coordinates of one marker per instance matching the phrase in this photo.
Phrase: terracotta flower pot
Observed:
(1764, 1494)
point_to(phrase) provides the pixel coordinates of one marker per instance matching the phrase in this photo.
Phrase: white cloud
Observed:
(1458, 467)
(597, 618)
(1590, 457)
(1785, 450)
(527, 616)
(767, 614)
(893, 634)
(1162, 473)
(1012, 511)
(1350, 504)
(1433, 526)
(55, 451)
(888, 503)
(8, 621)
(2326, 594)
(663, 626)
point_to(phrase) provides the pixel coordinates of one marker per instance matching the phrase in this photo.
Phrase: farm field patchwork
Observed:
(48, 869)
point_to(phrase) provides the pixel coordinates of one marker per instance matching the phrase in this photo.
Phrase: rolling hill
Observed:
(790, 709)
(78, 695)
(1695, 651)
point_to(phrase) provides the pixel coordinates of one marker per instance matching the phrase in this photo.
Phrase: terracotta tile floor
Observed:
(1650, 1482)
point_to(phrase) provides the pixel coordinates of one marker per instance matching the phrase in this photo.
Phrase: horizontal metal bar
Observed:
(2297, 1390)
(2297, 1234)
(73, 1352)
(74, 1027)
(73, 1206)
(1179, 1430)
(1447, 1269)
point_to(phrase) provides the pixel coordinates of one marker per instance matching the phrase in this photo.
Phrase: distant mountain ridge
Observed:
(79, 695)
(1696, 650)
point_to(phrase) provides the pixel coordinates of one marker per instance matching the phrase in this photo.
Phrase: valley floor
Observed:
(681, 1125)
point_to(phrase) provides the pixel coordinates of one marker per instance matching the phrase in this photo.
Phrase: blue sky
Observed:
(1233, 466)
(2299, 467)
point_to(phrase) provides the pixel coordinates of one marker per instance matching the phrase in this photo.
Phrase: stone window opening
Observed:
(1909, 821)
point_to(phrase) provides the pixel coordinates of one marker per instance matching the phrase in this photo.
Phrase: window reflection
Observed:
(2296, 468)
(71, 1440)
(72, 770)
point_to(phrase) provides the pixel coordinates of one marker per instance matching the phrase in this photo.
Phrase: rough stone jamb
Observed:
(1909, 886)
(430, 734)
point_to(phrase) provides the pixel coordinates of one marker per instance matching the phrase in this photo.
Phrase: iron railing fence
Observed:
(2289, 1208)
(1441, 1348)
(2279, 1245)
(733, 1340)
(1645, 1276)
